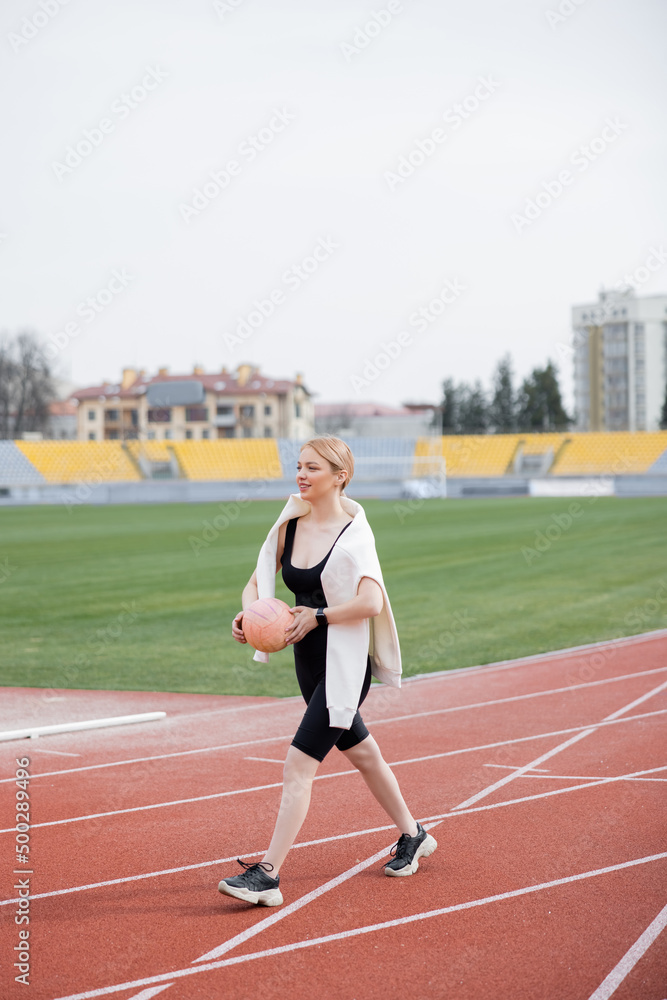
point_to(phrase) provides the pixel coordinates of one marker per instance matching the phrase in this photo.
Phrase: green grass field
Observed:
(142, 597)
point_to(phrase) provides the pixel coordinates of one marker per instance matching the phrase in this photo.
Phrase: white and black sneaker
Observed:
(254, 885)
(408, 850)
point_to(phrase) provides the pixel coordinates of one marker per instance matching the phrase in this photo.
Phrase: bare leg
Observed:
(381, 780)
(298, 774)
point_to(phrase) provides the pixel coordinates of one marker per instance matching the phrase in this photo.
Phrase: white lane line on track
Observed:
(338, 774)
(266, 760)
(200, 864)
(520, 771)
(457, 811)
(561, 746)
(228, 945)
(525, 739)
(592, 777)
(545, 773)
(648, 779)
(291, 908)
(262, 925)
(152, 992)
(511, 767)
(58, 753)
(631, 957)
(354, 932)
(159, 756)
(372, 722)
(340, 836)
(516, 697)
(176, 802)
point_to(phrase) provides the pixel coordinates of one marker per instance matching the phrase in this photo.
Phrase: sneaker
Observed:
(254, 885)
(408, 851)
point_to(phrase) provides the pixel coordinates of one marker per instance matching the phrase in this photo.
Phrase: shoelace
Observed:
(258, 866)
(399, 848)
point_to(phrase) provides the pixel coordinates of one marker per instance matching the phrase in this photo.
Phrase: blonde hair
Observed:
(335, 452)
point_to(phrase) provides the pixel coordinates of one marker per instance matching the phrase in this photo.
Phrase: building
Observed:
(374, 419)
(620, 362)
(196, 406)
(63, 421)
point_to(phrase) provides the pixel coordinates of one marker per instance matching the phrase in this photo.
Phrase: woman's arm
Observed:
(368, 603)
(250, 593)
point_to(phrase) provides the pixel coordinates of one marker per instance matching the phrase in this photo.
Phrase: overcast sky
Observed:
(116, 112)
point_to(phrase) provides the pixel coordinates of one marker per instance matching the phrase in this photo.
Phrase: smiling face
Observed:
(315, 477)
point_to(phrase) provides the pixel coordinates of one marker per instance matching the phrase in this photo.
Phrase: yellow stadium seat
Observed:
(609, 452)
(575, 453)
(152, 451)
(535, 444)
(229, 458)
(474, 454)
(75, 461)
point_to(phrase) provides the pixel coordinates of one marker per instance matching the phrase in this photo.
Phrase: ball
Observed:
(264, 623)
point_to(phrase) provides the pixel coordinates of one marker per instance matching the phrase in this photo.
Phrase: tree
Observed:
(7, 380)
(539, 404)
(26, 386)
(447, 413)
(502, 408)
(663, 415)
(464, 408)
(473, 415)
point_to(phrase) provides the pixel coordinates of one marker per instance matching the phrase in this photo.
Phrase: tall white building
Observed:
(620, 362)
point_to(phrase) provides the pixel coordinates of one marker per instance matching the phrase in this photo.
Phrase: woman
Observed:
(343, 631)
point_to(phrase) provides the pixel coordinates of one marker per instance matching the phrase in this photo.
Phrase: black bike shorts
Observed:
(315, 736)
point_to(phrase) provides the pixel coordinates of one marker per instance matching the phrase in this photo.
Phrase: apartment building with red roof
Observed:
(199, 405)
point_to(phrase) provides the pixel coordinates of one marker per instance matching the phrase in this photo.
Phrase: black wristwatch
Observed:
(320, 617)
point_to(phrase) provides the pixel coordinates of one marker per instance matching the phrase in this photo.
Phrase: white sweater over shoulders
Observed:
(348, 644)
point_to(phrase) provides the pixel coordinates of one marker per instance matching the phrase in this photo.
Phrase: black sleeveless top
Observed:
(310, 653)
(305, 584)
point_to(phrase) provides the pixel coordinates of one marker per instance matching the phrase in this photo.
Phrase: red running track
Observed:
(542, 779)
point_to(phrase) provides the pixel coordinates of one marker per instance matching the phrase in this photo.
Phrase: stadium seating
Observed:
(152, 451)
(535, 444)
(583, 453)
(660, 465)
(15, 468)
(228, 458)
(475, 454)
(603, 453)
(376, 458)
(75, 461)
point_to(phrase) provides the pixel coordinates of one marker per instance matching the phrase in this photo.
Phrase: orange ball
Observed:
(264, 623)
